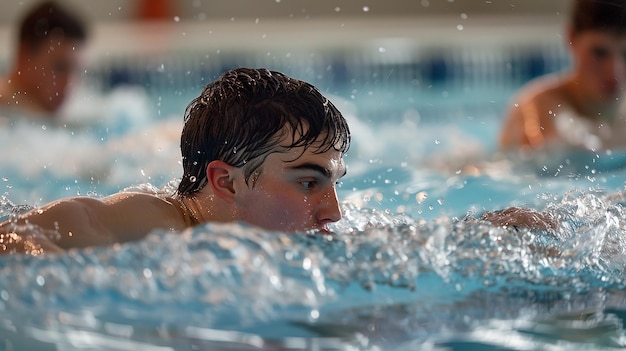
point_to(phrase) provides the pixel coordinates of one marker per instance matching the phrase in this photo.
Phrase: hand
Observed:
(11, 243)
(522, 217)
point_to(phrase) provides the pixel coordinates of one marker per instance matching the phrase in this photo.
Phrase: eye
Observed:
(599, 53)
(308, 184)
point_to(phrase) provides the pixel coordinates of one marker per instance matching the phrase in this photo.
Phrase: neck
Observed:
(589, 108)
(200, 207)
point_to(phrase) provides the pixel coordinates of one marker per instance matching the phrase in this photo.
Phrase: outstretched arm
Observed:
(85, 221)
(73, 222)
(522, 217)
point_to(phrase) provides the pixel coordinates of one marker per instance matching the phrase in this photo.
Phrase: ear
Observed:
(220, 176)
(570, 36)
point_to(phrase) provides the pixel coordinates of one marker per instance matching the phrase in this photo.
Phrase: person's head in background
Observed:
(597, 41)
(50, 43)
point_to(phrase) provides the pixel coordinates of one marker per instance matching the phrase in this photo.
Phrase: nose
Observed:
(329, 210)
(615, 69)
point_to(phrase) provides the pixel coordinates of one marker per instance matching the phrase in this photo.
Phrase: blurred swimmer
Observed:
(49, 54)
(583, 107)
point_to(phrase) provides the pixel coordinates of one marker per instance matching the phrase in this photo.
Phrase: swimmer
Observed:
(257, 147)
(49, 53)
(584, 107)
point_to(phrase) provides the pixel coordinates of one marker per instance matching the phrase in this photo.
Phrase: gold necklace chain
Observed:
(192, 214)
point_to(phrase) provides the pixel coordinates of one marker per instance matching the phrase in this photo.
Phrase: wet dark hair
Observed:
(606, 15)
(246, 114)
(49, 18)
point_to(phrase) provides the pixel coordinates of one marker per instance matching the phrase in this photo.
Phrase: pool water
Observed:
(408, 267)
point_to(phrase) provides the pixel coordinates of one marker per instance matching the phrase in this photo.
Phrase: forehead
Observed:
(60, 44)
(602, 37)
(330, 160)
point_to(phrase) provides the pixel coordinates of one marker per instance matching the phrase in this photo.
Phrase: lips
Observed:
(323, 229)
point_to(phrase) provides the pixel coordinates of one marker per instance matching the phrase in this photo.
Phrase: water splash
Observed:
(378, 274)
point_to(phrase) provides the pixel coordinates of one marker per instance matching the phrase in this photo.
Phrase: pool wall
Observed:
(449, 58)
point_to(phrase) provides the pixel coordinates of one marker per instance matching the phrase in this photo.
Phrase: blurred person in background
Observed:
(50, 45)
(582, 108)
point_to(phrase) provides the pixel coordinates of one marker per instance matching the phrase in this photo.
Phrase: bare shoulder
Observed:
(140, 213)
(543, 90)
(529, 119)
(88, 221)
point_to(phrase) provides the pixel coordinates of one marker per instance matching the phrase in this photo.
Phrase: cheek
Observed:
(589, 64)
(279, 210)
(285, 203)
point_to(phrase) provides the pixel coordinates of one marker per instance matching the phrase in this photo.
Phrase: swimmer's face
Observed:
(294, 191)
(49, 71)
(600, 59)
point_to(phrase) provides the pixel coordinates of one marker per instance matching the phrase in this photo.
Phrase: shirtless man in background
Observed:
(585, 106)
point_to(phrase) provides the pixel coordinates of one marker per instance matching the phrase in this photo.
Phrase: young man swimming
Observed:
(584, 107)
(257, 147)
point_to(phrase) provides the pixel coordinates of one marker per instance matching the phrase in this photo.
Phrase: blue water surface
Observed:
(410, 266)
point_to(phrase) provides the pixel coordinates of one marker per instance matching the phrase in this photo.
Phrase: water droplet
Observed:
(421, 196)
(40, 280)
(315, 314)
(306, 263)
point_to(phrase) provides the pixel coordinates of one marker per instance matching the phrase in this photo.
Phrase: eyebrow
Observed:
(317, 168)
